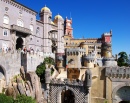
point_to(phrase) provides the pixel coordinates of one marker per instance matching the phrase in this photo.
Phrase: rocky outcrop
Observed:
(27, 84)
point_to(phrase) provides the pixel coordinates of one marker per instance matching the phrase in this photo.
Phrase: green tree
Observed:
(5, 99)
(24, 99)
(123, 58)
(41, 68)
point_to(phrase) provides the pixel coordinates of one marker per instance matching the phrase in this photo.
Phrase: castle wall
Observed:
(98, 89)
(11, 64)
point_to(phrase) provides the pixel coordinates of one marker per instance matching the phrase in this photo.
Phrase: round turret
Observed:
(58, 17)
(89, 60)
(88, 78)
(47, 76)
(84, 45)
(106, 50)
(45, 9)
(59, 61)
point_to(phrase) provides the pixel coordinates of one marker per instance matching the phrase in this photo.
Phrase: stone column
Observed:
(13, 41)
(26, 41)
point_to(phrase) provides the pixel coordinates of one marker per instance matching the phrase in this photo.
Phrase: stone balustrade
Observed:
(118, 72)
(20, 29)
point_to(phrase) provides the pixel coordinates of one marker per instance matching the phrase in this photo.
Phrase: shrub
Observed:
(5, 99)
(41, 68)
(24, 99)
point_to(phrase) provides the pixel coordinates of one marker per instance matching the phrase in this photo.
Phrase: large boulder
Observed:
(36, 86)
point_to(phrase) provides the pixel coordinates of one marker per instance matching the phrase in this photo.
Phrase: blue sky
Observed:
(91, 18)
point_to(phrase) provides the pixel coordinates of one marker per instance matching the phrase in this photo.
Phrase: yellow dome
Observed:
(52, 22)
(45, 9)
(58, 17)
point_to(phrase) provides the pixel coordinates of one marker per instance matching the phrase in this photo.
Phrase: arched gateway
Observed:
(121, 94)
(19, 43)
(61, 91)
(67, 96)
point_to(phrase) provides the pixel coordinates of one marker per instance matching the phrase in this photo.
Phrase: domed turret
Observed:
(58, 17)
(45, 9)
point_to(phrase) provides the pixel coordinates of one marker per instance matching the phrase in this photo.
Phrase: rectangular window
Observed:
(5, 32)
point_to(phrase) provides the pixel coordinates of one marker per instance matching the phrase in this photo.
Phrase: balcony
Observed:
(21, 30)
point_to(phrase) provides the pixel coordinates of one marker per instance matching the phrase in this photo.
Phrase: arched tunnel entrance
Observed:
(124, 102)
(2, 78)
(19, 43)
(67, 96)
(122, 95)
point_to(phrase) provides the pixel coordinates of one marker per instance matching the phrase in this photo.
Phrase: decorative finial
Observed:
(111, 31)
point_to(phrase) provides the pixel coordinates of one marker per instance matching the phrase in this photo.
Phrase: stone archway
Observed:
(19, 43)
(67, 96)
(58, 96)
(120, 93)
(124, 102)
(2, 78)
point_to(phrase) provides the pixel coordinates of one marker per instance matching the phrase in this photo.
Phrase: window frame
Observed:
(7, 18)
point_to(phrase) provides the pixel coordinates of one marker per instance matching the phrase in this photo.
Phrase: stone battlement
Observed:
(75, 50)
(118, 72)
(67, 82)
(90, 57)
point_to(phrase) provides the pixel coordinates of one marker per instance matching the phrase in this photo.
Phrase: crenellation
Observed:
(14, 3)
(118, 72)
(66, 82)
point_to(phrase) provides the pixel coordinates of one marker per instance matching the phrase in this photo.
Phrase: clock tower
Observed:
(68, 27)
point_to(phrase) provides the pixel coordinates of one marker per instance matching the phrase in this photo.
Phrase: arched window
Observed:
(31, 27)
(5, 32)
(20, 23)
(38, 30)
(6, 19)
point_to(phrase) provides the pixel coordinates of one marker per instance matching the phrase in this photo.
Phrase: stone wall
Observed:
(11, 63)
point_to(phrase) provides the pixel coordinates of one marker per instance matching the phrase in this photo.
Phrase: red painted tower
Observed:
(68, 27)
(106, 44)
(106, 37)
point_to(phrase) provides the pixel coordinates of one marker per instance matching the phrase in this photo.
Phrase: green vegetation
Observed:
(24, 99)
(5, 99)
(123, 59)
(41, 68)
(19, 99)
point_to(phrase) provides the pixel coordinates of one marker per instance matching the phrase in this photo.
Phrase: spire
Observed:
(111, 31)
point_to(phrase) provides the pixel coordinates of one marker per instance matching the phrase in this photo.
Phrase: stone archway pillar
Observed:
(114, 101)
(59, 96)
(13, 41)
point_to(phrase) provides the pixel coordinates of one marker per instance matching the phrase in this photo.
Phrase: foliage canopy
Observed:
(41, 68)
(123, 59)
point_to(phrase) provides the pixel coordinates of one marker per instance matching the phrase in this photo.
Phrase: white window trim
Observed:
(6, 17)
(21, 22)
(31, 27)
